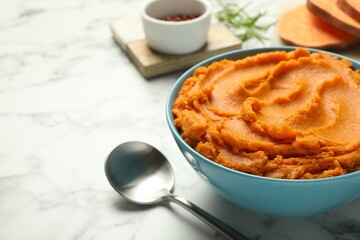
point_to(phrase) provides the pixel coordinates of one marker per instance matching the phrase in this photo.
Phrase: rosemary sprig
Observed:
(240, 23)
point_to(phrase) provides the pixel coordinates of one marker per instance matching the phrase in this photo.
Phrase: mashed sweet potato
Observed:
(292, 115)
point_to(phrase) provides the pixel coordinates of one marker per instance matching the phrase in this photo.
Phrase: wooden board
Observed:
(130, 37)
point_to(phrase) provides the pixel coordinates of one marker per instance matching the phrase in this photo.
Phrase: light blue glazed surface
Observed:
(277, 197)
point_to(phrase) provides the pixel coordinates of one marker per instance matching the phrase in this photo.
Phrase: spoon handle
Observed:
(207, 218)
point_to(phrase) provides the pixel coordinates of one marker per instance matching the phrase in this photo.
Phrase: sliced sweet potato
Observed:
(351, 8)
(300, 27)
(330, 12)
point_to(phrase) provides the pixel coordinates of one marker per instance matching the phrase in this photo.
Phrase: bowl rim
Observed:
(242, 53)
(149, 18)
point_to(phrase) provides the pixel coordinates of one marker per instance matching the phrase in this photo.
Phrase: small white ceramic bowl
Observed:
(181, 37)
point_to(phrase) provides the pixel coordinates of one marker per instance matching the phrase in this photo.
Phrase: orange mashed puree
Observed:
(292, 115)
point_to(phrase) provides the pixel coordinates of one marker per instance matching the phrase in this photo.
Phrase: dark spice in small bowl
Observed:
(180, 17)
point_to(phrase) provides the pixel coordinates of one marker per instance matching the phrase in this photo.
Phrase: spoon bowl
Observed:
(141, 174)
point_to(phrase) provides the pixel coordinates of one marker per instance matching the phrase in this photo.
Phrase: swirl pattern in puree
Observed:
(292, 115)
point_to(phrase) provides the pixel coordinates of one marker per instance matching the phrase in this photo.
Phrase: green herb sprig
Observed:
(243, 25)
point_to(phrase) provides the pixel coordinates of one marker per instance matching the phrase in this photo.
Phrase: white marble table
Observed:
(68, 96)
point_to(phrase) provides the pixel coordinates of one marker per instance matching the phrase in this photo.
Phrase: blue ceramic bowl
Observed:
(276, 197)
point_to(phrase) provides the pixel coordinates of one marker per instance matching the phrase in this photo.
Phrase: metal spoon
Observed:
(142, 174)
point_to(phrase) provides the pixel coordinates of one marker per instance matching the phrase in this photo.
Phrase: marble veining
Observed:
(68, 96)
